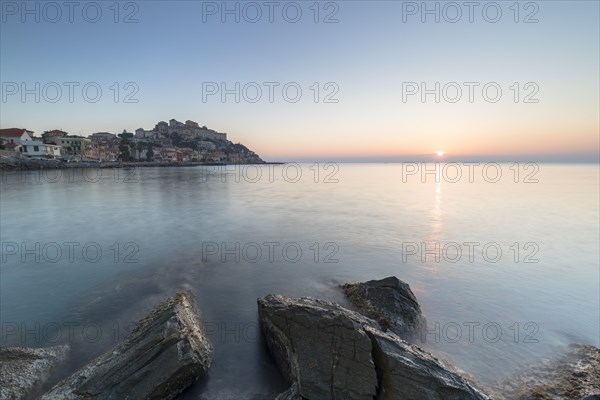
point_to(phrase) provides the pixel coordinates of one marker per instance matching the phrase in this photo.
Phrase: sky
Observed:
(306, 80)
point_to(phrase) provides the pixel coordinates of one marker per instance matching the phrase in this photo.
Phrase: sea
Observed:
(502, 257)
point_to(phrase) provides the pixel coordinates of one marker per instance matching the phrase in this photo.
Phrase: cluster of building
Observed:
(22, 142)
(169, 142)
(189, 129)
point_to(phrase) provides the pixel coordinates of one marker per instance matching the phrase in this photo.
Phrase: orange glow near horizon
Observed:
(494, 144)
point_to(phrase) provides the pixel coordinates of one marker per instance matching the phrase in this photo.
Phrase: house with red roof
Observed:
(21, 141)
(15, 135)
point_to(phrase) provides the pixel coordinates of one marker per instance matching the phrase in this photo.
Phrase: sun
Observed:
(440, 153)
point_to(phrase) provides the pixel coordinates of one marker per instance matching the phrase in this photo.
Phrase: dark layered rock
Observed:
(328, 352)
(164, 355)
(319, 346)
(290, 394)
(573, 376)
(24, 370)
(408, 372)
(390, 302)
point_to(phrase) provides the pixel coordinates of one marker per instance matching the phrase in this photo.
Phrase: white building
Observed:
(144, 134)
(15, 135)
(203, 145)
(38, 149)
(51, 150)
(21, 141)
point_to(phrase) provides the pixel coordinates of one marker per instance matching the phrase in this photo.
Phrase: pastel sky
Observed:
(369, 57)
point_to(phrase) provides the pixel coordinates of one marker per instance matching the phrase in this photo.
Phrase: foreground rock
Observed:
(320, 346)
(25, 369)
(408, 372)
(328, 352)
(391, 303)
(574, 376)
(164, 355)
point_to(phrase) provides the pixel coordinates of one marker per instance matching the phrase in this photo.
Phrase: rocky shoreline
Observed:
(21, 164)
(323, 350)
(574, 375)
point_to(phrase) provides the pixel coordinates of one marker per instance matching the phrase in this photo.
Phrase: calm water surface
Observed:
(149, 232)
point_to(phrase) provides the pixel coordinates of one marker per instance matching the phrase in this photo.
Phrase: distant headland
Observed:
(167, 144)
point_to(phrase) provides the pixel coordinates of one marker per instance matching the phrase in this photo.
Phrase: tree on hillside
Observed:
(125, 135)
(132, 150)
(124, 152)
(149, 153)
(176, 139)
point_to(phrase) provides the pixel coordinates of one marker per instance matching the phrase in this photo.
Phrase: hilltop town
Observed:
(173, 142)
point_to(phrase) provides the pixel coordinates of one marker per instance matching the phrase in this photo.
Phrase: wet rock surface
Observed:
(574, 376)
(320, 346)
(23, 370)
(391, 303)
(164, 355)
(328, 352)
(408, 372)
